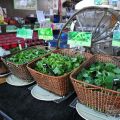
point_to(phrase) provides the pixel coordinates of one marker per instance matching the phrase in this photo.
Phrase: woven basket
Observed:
(3, 68)
(59, 85)
(98, 98)
(21, 70)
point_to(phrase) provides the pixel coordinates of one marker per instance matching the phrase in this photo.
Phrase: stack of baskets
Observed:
(20, 70)
(59, 85)
(98, 98)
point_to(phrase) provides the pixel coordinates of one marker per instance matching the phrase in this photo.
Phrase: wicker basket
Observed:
(21, 70)
(3, 68)
(98, 98)
(59, 85)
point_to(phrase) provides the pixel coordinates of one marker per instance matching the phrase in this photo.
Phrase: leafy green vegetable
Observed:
(13, 50)
(26, 56)
(57, 64)
(100, 74)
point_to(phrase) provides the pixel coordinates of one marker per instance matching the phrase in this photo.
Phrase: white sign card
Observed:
(55, 4)
(40, 16)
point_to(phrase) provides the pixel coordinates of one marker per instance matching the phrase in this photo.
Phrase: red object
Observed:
(13, 22)
(14, 45)
(59, 7)
(6, 46)
(7, 20)
(23, 44)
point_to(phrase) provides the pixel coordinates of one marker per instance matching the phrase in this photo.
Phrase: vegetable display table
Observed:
(18, 104)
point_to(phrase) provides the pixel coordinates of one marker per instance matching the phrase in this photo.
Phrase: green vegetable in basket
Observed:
(100, 74)
(13, 50)
(26, 56)
(57, 64)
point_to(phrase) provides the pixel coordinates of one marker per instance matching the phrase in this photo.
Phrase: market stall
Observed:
(87, 65)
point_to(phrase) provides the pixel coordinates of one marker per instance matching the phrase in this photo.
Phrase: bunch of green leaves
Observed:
(13, 50)
(57, 64)
(100, 74)
(26, 56)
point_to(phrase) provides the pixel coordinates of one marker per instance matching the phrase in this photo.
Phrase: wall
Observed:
(9, 4)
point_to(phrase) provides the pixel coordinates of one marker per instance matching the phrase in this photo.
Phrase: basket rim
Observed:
(96, 87)
(64, 75)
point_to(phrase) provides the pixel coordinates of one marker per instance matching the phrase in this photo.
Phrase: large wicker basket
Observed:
(59, 85)
(98, 98)
(20, 70)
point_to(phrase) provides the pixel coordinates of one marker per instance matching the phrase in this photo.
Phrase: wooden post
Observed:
(60, 10)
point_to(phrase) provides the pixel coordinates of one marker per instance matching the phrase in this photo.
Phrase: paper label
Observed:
(25, 33)
(116, 38)
(45, 33)
(40, 16)
(76, 39)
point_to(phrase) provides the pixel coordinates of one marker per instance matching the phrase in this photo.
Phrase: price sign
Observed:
(29, 34)
(25, 33)
(98, 2)
(11, 28)
(79, 39)
(45, 33)
(116, 38)
(21, 33)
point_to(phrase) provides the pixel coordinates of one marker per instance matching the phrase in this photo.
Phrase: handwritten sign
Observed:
(40, 16)
(29, 34)
(116, 38)
(79, 39)
(11, 28)
(25, 33)
(45, 33)
(21, 33)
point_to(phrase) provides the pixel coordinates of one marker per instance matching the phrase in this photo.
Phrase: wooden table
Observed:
(2, 80)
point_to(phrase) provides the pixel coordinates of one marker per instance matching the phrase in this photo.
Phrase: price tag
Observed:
(45, 33)
(29, 34)
(76, 39)
(25, 33)
(21, 33)
(11, 28)
(98, 2)
(116, 38)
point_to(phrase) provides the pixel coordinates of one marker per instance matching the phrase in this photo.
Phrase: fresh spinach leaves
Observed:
(57, 64)
(26, 56)
(100, 74)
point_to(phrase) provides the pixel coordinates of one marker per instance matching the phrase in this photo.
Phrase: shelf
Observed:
(84, 4)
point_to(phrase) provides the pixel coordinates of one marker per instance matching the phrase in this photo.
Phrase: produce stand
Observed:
(93, 95)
